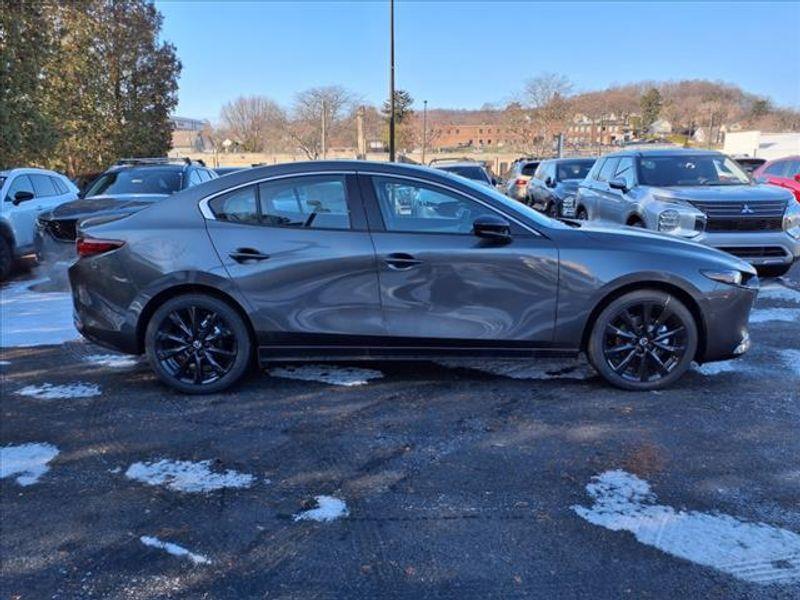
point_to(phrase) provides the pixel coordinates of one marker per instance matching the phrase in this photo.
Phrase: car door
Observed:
(22, 215)
(608, 199)
(620, 205)
(299, 251)
(441, 285)
(535, 187)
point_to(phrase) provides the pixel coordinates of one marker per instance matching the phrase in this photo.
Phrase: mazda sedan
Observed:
(358, 260)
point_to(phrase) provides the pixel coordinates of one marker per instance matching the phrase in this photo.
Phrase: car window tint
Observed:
(194, 178)
(61, 188)
(777, 169)
(595, 171)
(413, 207)
(43, 186)
(607, 170)
(573, 169)
(20, 183)
(625, 170)
(794, 168)
(142, 180)
(318, 202)
(237, 206)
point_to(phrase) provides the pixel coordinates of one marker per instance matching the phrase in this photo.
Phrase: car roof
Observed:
(570, 159)
(28, 171)
(458, 163)
(665, 152)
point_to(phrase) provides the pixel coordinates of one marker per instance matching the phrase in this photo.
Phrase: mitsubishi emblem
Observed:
(746, 210)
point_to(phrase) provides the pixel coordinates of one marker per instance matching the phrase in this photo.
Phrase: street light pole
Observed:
(391, 80)
(424, 129)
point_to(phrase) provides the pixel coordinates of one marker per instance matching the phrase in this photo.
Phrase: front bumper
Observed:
(758, 248)
(726, 328)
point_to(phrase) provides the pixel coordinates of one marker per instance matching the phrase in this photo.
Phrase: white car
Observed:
(26, 193)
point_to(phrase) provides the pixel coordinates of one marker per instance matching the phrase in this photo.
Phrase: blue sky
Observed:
(463, 54)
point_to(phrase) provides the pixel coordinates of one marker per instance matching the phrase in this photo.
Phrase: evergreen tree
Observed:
(651, 104)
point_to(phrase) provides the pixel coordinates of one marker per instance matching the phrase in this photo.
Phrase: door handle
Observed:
(399, 261)
(245, 255)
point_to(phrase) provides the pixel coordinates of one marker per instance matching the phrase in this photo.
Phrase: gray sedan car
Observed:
(358, 260)
(699, 195)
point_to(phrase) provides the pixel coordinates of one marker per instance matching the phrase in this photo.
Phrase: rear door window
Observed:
(318, 202)
(778, 169)
(43, 186)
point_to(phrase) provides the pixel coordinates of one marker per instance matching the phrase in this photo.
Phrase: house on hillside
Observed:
(660, 127)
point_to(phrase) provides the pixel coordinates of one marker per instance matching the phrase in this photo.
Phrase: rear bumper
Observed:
(759, 249)
(55, 255)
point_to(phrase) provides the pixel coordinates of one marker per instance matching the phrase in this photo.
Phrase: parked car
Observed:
(748, 163)
(466, 168)
(125, 188)
(26, 194)
(518, 176)
(699, 195)
(227, 170)
(553, 187)
(323, 260)
(783, 172)
(84, 180)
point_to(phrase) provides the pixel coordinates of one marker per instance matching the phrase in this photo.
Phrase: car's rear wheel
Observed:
(643, 340)
(198, 344)
(6, 258)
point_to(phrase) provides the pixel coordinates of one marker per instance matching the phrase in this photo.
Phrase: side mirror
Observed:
(550, 182)
(491, 227)
(618, 183)
(22, 196)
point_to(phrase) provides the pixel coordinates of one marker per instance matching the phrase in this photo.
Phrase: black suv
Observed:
(553, 187)
(129, 186)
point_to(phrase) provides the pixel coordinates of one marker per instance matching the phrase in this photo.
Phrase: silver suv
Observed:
(703, 196)
(24, 195)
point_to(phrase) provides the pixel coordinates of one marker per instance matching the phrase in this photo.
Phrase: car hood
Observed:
(102, 205)
(723, 193)
(625, 236)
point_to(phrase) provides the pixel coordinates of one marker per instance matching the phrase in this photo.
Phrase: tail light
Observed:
(521, 181)
(91, 247)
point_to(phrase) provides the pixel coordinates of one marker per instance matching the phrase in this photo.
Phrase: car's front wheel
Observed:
(6, 258)
(643, 340)
(198, 344)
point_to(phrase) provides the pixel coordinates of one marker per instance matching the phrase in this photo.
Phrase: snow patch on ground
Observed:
(779, 292)
(30, 318)
(754, 552)
(28, 461)
(521, 369)
(765, 315)
(715, 368)
(187, 476)
(791, 358)
(115, 361)
(48, 391)
(174, 549)
(328, 509)
(346, 376)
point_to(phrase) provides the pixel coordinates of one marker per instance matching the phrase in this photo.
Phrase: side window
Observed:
(209, 174)
(194, 178)
(43, 186)
(237, 206)
(59, 185)
(794, 168)
(21, 183)
(626, 170)
(607, 170)
(596, 169)
(319, 202)
(412, 207)
(777, 169)
(539, 173)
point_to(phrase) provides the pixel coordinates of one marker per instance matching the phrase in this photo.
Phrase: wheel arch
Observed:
(182, 289)
(7, 233)
(663, 286)
(635, 217)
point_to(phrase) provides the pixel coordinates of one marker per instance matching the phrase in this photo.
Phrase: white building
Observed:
(761, 144)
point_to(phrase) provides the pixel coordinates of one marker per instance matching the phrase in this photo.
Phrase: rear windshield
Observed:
(529, 168)
(148, 180)
(574, 169)
(475, 173)
(702, 169)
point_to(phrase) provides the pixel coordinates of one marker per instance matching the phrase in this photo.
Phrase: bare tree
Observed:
(334, 103)
(254, 121)
(548, 97)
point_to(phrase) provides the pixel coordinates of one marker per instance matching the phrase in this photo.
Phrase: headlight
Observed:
(568, 206)
(683, 223)
(732, 277)
(791, 220)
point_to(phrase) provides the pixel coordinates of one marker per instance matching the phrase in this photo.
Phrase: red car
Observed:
(784, 172)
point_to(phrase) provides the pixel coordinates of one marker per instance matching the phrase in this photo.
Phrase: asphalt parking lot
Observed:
(400, 480)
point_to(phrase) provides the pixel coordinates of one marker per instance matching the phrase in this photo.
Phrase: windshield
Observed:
(514, 207)
(573, 169)
(702, 169)
(149, 180)
(470, 172)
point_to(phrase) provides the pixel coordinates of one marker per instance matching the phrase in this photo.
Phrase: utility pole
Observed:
(391, 80)
(324, 144)
(424, 129)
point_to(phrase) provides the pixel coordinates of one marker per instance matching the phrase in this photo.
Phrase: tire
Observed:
(198, 330)
(552, 210)
(616, 348)
(637, 224)
(6, 258)
(582, 215)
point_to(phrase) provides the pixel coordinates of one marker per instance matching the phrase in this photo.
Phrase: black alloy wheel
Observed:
(582, 215)
(198, 344)
(643, 340)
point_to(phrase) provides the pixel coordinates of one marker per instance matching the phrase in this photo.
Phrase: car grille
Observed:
(755, 251)
(743, 216)
(62, 229)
